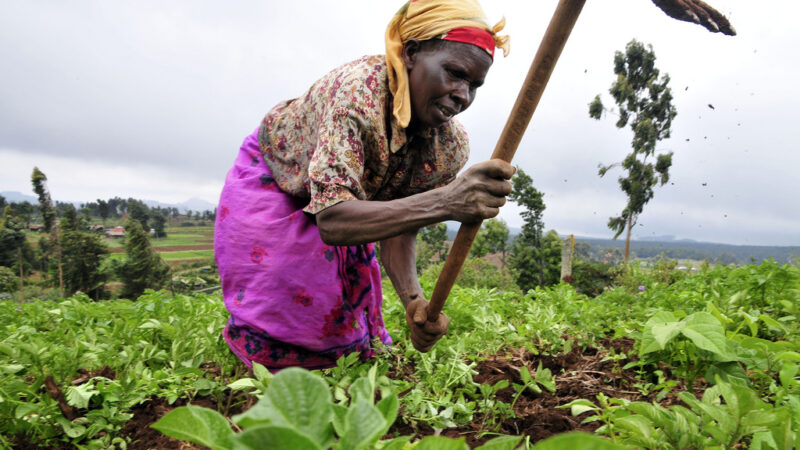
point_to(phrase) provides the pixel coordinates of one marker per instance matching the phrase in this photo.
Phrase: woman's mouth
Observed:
(446, 112)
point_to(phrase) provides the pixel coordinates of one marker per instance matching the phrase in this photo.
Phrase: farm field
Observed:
(709, 360)
(182, 245)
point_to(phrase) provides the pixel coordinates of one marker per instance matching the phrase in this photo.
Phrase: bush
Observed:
(593, 279)
(477, 273)
(9, 282)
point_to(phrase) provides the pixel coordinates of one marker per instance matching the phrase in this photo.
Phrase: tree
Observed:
(83, 254)
(528, 252)
(103, 210)
(158, 225)
(39, 181)
(435, 236)
(142, 268)
(12, 245)
(645, 102)
(140, 212)
(491, 238)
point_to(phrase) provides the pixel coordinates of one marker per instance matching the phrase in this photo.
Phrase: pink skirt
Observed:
(293, 300)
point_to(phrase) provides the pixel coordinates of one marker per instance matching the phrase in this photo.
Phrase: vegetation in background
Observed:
(492, 238)
(142, 267)
(535, 258)
(645, 102)
(39, 181)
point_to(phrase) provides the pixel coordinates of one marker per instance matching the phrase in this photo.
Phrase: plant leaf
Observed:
(273, 437)
(441, 443)
(576, 440)
(707, 333)
(304, 402)
(196, 424)
(502, 443)
(364, 425)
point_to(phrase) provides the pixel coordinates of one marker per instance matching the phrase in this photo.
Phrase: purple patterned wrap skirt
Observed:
(293, 300)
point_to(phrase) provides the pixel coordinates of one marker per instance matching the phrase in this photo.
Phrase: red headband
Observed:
(472, 35)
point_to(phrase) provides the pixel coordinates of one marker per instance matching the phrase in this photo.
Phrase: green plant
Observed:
(297, 412)
(543, 377)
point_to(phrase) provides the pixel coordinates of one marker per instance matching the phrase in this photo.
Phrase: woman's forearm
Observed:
(475, 195)
(398, 256)
(358, 221)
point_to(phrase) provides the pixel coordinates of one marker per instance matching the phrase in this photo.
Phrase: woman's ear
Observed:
(411, 48)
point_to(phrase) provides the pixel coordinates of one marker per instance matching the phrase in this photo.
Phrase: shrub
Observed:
(9, 282)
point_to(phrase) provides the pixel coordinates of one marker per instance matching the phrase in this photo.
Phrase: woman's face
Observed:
(443, 79)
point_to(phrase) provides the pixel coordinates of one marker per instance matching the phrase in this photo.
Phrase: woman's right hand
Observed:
(480, 191)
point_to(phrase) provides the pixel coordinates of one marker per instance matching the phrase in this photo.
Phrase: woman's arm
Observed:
(475, 195)
(398, 256)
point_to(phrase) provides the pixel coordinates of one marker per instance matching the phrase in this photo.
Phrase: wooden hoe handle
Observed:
(555, 37)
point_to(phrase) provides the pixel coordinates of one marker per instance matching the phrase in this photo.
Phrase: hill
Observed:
(669, 246)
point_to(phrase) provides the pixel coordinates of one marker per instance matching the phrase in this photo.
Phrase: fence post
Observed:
(567, 252)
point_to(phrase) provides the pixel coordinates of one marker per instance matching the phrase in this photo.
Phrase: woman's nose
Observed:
(461, 94)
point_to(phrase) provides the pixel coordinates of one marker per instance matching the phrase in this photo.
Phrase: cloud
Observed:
(154, 99)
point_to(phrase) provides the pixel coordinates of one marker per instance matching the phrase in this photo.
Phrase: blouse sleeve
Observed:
(335, 170)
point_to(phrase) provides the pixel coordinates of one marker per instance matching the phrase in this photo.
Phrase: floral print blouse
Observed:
(340, 142)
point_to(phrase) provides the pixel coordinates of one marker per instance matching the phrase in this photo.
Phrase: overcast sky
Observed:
(151, 100)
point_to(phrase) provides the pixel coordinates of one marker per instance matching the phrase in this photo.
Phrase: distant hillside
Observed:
(193, 204)
(653, 247)
(687, 249)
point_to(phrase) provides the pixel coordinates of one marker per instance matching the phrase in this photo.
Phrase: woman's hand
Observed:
(479, 192)
(423, 333)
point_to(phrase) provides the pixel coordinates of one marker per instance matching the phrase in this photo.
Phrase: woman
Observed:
(369, 154)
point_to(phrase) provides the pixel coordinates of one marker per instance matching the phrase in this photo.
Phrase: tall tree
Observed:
(645, 102)
(159, 222)
(142, 268)
(139, 212)
(39, 181)
(103, 210)
(527, 252)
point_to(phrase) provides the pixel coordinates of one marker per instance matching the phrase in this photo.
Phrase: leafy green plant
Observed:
(694, 345)
(543, 377)
(297, 412)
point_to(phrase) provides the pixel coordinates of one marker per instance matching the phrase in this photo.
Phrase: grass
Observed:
(187, 255)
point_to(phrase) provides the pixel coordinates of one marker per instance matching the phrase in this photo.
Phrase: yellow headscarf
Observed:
(423, 20)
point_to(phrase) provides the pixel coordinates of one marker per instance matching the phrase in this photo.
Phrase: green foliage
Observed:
(711, 322)
(645, 102)
(492, 238)
(139, 212)
(477, 273)
(431, 244)
(155, 346)
(536, 266)
(158, 225)
(593, 279)
(9, 282)
(142, 267)
(39, 181)
(532, 255)
(12, 239)
(83, 255)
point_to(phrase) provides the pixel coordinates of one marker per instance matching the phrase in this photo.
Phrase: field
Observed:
(705, 360)
(182, 245)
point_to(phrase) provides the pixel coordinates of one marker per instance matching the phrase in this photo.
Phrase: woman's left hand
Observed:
(424, 333)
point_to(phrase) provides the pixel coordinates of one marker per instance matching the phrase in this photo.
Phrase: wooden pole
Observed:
(555, 37)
